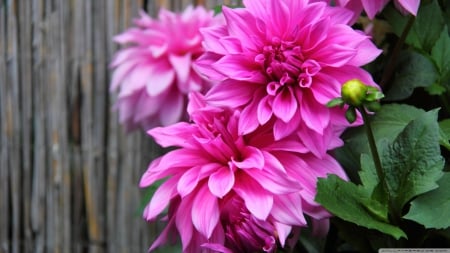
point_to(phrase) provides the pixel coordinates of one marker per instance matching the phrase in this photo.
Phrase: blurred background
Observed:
(69, 172)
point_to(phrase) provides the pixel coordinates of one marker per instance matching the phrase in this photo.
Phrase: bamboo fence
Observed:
(68, 171)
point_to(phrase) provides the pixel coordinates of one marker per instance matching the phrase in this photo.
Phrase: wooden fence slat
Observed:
(13, 122)
(112, 19)
(4, 137)
(25, 63)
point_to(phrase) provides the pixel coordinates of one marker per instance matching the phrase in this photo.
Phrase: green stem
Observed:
(373, 146)
(394, 214)
(389, 70)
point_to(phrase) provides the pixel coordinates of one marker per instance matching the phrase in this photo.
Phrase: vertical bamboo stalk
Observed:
(26, 118)
(5, 130)
(12, 127)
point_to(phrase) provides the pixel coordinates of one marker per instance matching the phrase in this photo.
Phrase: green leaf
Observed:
(387, 123)
(432, 209)
(398, 23)
(352, 203)
(368, 173)
(436, 89)
(335, 102)
(350, 114)
(444, 133)
(441, 53)
(217, 9)
(413, 70)
(426, 28)
(372, 106)
(412, 163)
(428, 25)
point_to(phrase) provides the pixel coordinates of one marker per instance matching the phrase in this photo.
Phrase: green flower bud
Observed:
(354, 92)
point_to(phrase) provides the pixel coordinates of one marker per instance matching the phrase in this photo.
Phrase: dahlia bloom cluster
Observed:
(232, 192)
(154, 69)
(241, 175)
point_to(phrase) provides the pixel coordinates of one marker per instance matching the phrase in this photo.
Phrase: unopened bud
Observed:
(354, 92)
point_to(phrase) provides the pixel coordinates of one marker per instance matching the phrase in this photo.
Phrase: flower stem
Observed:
(373, 146)
(389, 70)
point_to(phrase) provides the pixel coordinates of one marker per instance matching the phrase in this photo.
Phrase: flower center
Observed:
(285, 65)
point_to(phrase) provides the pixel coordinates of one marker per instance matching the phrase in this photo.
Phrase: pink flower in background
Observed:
(282, 61)
(154, 69)
(372, 7)
(271, 183)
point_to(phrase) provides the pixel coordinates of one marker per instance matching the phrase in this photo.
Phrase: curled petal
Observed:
(221, 182)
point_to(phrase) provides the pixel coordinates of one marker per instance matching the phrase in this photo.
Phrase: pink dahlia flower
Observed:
(154, 70)
(270, 183)
(283, 61)
(372, 7)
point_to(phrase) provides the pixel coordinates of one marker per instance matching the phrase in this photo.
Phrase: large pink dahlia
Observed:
(154, 70)
(284, 60)
(228, 191)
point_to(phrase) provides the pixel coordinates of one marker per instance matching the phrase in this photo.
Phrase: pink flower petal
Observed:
(162, 238)
(203, 66)
(274, 181)
(251, 158)
(264, 110)
(233, 93)
(283, 232)
(231, 44)
(280, 15)
(239, 67)
(367, 52)
(120, 73)
(172, 112)
(313, 140)
(257, 200)
(285, 105)
(316, 116)
(188, 181)
(182, 66)
(373, 7)
(161, 198)
(175, 135)
(183, 220)
(335, 55)
(205, 212)
(287, 144)
(239, 24)
(248, 122)
(163, 77)
(212, 37)
(411, 6)
(282, 129)
(145, 107)
(221, 182)
(288, 210)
